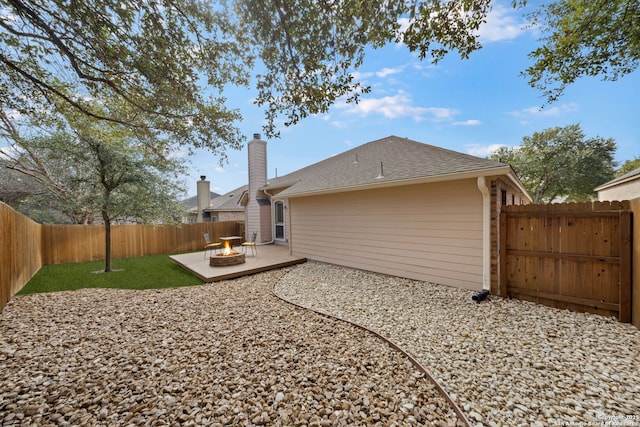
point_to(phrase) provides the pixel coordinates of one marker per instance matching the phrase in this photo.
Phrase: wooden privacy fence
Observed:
(25, 245)
(78, 243)
(20, 251)
(575, 256)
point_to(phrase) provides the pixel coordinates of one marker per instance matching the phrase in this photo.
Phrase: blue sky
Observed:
(471, 106)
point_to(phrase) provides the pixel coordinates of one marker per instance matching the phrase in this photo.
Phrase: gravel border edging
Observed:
(461, 416)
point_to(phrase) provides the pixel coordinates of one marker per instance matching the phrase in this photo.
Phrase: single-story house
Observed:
(195, 205)
(228, 207)
(625, 187)
(208, 206)
(392, 206)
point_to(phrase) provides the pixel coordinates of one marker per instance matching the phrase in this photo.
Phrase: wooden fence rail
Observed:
(574, 255)
(25, 246)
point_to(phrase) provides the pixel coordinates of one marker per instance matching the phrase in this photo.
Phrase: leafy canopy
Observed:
(628, 166)
(170, 61)
(584, 38)
(561, 162)
(155, 57)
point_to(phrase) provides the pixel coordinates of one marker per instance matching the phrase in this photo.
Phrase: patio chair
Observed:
(251, 244)
(209, 245)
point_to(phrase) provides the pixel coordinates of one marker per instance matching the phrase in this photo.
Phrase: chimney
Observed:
(258, 209)
(203, 197)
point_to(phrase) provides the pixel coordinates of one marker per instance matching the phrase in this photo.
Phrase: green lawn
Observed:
(148, 272)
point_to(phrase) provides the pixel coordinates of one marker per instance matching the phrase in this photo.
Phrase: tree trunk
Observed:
(107, 243)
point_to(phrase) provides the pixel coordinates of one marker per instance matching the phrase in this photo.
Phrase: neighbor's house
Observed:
(195, 205)
(228, 207)
(207, 206)
(392, 206)
(625, 187)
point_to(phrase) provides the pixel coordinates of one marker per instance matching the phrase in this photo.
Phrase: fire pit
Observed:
(227, 257)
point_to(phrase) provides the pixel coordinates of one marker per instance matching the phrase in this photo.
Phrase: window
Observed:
(279, 219)
(503, 194)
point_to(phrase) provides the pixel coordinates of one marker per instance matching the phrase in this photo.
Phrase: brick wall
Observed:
(502, 193)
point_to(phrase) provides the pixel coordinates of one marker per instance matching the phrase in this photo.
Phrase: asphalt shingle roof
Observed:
(229, 201)
(402, 159)
(192, 202)
(629, 176)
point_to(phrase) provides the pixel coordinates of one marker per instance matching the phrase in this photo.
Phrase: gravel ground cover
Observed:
(505, 362)
(228, 353)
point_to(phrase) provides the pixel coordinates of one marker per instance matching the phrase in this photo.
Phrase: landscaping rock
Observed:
(506, 362)
(228, 353)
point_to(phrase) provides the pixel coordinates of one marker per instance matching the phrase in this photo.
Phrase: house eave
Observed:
(503, 170)
(616, 183)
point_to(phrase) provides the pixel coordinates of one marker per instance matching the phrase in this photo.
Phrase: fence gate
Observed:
(575, 256)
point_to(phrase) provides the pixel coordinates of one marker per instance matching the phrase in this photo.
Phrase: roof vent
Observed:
(381, 172)
(256, 136)
(356, 160)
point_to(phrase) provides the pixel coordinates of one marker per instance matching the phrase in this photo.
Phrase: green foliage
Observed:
(585, 38)
(170, 61)
(561, 162)
(310, 49)
(164, 65)
(628, 166)
(167, 61)
(149, 272)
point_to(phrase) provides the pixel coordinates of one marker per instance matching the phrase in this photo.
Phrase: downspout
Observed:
(272, 231)
(486, 232)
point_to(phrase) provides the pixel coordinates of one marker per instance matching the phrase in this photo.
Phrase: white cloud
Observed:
(398, 106)
(482, 150)
(502, 24)
(388, 71)
(359, 75)
(470, 122)
(363, 75)
(556, 111)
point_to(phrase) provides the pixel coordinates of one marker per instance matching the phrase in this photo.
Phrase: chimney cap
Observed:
(203, 177)
(256, 136)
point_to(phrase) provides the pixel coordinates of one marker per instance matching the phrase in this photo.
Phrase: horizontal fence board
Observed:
(576, 257)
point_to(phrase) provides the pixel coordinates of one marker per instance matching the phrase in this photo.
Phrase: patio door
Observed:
(279, 219)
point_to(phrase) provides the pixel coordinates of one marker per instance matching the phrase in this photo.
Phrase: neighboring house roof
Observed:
(629, 176)
(192, 202)
(385, 162)
(229, 201)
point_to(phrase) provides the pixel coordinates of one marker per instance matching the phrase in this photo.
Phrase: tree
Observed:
(100, 169)
(169, 61)
(49, 163)
(166, 61)
(561, 162)
(125, 184)
(628, 166)
(585, 38)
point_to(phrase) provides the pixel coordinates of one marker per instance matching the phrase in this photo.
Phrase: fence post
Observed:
(502, 255)
(625, 266)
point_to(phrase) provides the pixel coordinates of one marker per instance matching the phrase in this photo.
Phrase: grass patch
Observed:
(147, 272)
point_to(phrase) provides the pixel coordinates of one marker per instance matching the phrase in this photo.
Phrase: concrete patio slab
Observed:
(268, 257)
